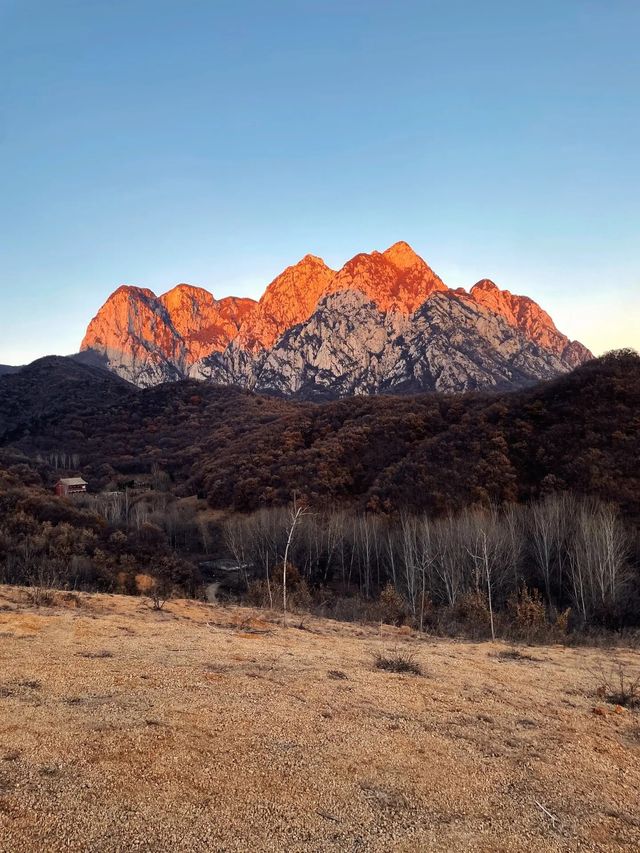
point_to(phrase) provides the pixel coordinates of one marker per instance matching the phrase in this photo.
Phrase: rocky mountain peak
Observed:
(134, 333)
(130, 291)
(205, 324)
(289, 299)
(385, 320)
(185, 300)
(310, 260)
(395, 280)
(186, 291)
(485, 285)
(523, 313)
(402, 255)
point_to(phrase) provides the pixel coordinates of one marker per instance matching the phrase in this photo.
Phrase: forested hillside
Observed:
(429, 508)
(427, 452)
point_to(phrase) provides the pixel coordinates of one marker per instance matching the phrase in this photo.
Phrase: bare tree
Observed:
(298, 510)
(547, 526)
(481, 559)
(598, 560)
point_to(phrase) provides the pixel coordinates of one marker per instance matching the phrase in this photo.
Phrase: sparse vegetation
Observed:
(514, 654)
(160, 592)
(337, 675)
(97, 655)
(618, 685)
(201, 710)
(403, 662)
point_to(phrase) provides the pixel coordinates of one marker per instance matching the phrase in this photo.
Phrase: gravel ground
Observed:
(207, 728)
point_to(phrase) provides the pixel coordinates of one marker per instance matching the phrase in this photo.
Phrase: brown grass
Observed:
(619, 685)
(403, 662)
(210, 728)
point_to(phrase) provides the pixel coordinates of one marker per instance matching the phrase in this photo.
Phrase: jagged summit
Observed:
(310, 260)
(402, 255)
(187, 290)
(289, 299)
(386, 333)
(485, 285)
(131, 291)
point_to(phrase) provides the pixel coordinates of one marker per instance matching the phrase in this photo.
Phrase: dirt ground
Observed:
(216, 729)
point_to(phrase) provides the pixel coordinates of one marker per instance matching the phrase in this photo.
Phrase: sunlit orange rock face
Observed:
(290, 299)
(395, 280)
(149, 339)
(134, 333)
(525, 314)
(205, 324)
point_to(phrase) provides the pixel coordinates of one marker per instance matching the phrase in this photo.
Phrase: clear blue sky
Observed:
(151, 142)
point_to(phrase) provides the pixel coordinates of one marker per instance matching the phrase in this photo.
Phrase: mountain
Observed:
(348, 346)
(395, 280)
(383, 322)
(148, 339)
(203, 323)
(524, 314)
(290, 299)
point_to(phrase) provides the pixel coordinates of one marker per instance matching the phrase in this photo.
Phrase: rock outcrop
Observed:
(384, 322)
(134, 333)
(205, 324)
(348, 346)
(148, 339)
(395, 280)
(525, 314)
(291, 298)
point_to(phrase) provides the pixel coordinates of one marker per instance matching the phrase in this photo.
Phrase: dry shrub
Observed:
(104, 653)
(160, 592)
(41, 589)
(300, 597)
(618, 686)
(398, 661)
(293, 575)
(528, 612)
(473, 609)
(390, 607)
(514, 654)
(40, 597)
(72, 599)
(261, 594)
(337, 675)
(530, 621)
(268, 595)
(561, 623)
(345, 608)
(144, 583)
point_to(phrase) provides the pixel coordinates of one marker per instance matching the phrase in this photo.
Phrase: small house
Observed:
(71, 486)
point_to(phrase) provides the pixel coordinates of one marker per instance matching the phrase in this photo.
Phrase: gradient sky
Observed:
(150, 142)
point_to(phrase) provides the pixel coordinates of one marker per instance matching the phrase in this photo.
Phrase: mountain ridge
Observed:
(149, 339)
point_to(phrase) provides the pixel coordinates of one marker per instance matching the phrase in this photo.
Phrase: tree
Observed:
(298, 510)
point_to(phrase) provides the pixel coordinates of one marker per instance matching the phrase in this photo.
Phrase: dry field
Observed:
(216, 729)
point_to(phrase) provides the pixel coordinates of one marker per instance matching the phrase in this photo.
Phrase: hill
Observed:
(53, 387)
(429, 452)
(203, 727)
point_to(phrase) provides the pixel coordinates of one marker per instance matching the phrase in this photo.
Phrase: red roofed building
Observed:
(71, 486)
